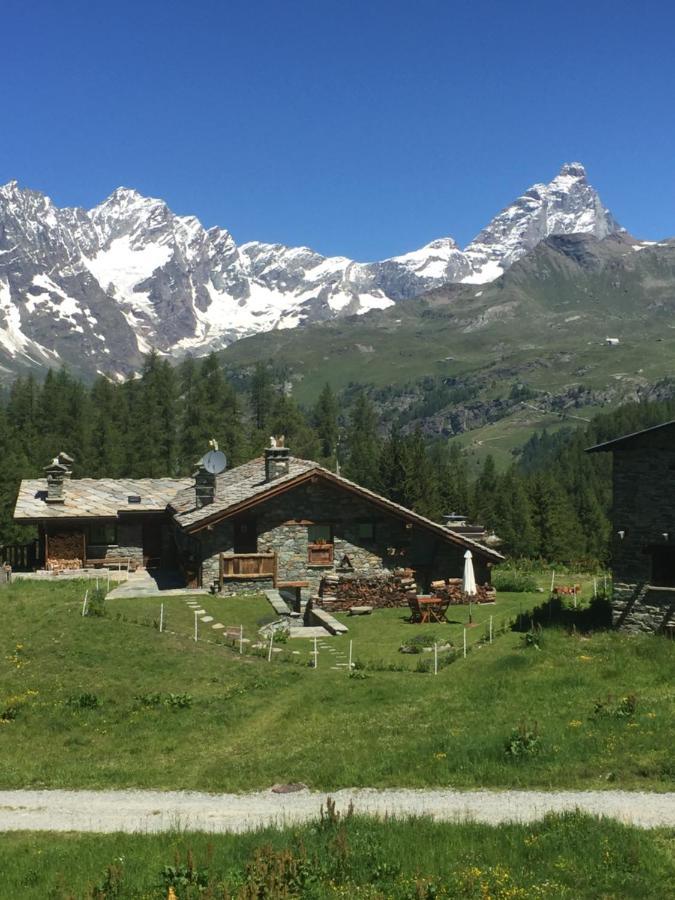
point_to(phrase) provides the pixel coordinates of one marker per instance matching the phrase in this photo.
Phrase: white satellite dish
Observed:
(214, 462)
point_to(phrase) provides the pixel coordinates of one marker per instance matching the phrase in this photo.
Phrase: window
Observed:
(320, 545)
(320, 534)
(102, 533)
(663, 566)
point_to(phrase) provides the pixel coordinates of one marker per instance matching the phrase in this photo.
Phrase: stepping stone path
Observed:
(207, 618)
(200, 612)
(217, 626)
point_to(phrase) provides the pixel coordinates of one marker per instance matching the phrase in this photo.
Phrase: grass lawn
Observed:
(91, 698)
(570, 856)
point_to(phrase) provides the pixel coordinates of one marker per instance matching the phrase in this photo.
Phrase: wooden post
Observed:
(435, 659)
(269, 652)
(161, 618)
(552, 580)
(221, 572)
(490, 629)
(275, 570)
(316, 655)
(241, 639)
(196, 625)
(595, 587)
(465, 643)
(350, 656)
(84, 603)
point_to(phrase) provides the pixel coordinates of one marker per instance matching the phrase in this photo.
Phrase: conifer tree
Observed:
(362, 465)
(325, 421)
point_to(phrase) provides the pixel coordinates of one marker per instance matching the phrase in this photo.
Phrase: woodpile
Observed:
(451, 589)
(59, 565)
(338, 593)
(65, 550)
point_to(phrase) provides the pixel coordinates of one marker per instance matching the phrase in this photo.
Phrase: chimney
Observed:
(205, 487)
(277, 459)
(56, 474)
(66, 461)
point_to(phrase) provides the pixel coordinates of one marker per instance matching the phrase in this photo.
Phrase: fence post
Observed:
(552, 580)
(490, 629)
(435, 659)
(350, 656)
(269, 652)
(465, 643)
(241, 639)
(316, 655)
(161, 618)
(196, 625)
(84, 602)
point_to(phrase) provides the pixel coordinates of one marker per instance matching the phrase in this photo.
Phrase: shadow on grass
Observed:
(597, 615)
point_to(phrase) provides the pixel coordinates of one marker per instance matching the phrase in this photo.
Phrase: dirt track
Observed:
(132, 811)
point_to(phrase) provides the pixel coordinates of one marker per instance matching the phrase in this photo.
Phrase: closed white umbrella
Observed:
(469, 579)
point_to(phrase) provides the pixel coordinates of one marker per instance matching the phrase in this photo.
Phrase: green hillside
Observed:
(538, 332)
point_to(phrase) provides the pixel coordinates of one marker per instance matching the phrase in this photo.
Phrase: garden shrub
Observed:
(511, 580)
(523, 741)
(84, 701)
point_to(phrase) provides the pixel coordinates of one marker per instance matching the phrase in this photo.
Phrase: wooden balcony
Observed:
(247, 567)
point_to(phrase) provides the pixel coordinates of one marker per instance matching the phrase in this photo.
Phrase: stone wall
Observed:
(640, 607)
(644, 510)
(282, 526)
(129, 544)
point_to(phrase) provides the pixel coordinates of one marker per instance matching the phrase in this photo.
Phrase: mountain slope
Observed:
(541, 325)
(96, 289)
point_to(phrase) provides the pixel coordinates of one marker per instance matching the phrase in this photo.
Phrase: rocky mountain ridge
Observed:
(95, 289)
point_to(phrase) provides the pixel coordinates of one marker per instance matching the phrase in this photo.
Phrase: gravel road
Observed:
(146, 811)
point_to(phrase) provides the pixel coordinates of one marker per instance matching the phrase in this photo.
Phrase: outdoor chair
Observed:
(438, 610)
(415, 611)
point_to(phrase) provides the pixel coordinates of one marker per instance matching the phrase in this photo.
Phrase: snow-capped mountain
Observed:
(96, 289)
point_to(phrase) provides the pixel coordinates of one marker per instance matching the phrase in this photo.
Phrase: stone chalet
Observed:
(643, 528)
(276, 521)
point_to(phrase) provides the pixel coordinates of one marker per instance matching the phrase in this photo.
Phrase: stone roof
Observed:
(233, 487)
(246, 485)
(96, 497)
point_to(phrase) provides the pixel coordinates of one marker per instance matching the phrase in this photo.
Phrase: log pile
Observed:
(59, 565)
(65, 550)
(338, 593)
(451, 589)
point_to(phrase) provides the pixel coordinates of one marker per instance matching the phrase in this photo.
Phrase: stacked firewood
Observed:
(338, 593)
(451, 589)
(55, 564)
(65, 550)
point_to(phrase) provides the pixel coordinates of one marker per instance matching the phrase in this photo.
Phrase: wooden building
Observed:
(643, 527)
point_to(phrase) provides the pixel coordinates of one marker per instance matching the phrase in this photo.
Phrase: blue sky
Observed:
(360, 128)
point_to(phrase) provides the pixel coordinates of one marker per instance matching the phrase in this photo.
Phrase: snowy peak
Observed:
(97, 288)
(566, 205)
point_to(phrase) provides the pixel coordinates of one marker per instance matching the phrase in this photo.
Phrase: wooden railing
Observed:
(21, 557)
(242, 566)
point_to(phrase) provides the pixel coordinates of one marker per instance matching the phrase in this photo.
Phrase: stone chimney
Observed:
(56, 474)
(66, 461)
(277, 459)
(205, 487)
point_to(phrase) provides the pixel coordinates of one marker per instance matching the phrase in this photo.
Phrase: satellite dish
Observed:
(214, 462)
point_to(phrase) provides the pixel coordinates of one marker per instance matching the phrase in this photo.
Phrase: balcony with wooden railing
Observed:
(247, 567)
